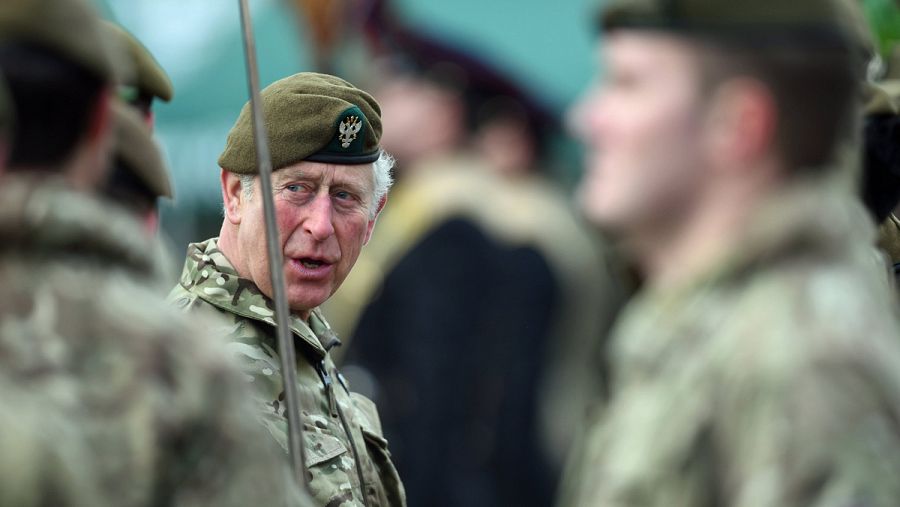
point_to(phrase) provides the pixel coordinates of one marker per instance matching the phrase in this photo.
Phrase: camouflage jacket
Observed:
(111, 398)
(774, 380)
(346, 454)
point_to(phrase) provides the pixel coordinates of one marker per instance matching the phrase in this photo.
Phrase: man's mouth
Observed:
(311, 263)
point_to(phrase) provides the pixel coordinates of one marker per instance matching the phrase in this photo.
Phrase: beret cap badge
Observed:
(348, 130)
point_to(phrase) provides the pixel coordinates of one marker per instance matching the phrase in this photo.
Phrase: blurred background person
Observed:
(477, 312)
(758, 365)
(139, 176)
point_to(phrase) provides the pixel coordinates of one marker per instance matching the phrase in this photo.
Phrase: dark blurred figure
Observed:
(6, 121)
(470, 312)
(881, 162)
(759, 364)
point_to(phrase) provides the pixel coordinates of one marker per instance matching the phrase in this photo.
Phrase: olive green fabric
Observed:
(148, 76)
(138, 151)
(68, 27)
(308, 116)
(824, 22)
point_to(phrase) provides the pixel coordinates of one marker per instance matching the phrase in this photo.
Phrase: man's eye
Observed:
(292, 188)
(343, 195)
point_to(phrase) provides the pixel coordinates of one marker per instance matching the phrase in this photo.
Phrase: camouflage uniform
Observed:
(772, 381)
(346, 453)
(105, 399)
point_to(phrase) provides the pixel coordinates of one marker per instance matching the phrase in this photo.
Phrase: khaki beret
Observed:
(148, 77)
(825, 23)
(70, 28)
(308, 116)
(138, 152)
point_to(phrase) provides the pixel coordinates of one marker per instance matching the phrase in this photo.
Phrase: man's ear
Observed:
(232, 196)
(743, 120)
(371, 226)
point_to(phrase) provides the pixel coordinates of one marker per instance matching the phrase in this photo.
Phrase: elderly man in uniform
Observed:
(330, 182)
(760, 363)
(110, 398)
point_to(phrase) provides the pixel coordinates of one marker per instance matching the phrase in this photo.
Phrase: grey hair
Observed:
(383, 181)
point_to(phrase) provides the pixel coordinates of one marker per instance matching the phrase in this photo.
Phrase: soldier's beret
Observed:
(138, 152)
(308, 116)
(821, 23)
(148, 76)
(70, 28)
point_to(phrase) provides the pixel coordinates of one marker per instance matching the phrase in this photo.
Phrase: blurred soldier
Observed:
(471, 310)
(138, 178)
(331, 180)
(148, 81)
(760, 363)
(109, 397)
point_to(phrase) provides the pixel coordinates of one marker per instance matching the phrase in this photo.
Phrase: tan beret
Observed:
(70, 28)
(148, 76)
(308, 116)
(139, 153)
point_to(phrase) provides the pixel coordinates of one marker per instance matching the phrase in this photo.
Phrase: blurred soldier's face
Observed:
(419, 118)
(323, 214)
(643, 126)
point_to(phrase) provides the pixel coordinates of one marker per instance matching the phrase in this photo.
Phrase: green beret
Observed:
(70, 28)
(825, 23)
(308, 116)
(148, 77)
(135, 147)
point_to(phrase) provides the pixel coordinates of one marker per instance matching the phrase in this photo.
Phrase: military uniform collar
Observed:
(211, 276)
(807, 216)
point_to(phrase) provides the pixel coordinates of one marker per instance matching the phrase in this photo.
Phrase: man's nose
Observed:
(318, 222)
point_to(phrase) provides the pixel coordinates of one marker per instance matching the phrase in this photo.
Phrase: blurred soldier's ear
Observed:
(741, 123)
(232, 196)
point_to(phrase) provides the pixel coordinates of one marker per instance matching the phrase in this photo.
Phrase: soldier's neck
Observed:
(704, 238)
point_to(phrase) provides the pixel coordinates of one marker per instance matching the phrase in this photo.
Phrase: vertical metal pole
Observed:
(276, 259)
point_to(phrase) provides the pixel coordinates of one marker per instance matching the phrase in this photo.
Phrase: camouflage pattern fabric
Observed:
(111, 398)
(889, 243)
(346, 454)
(772, 381)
